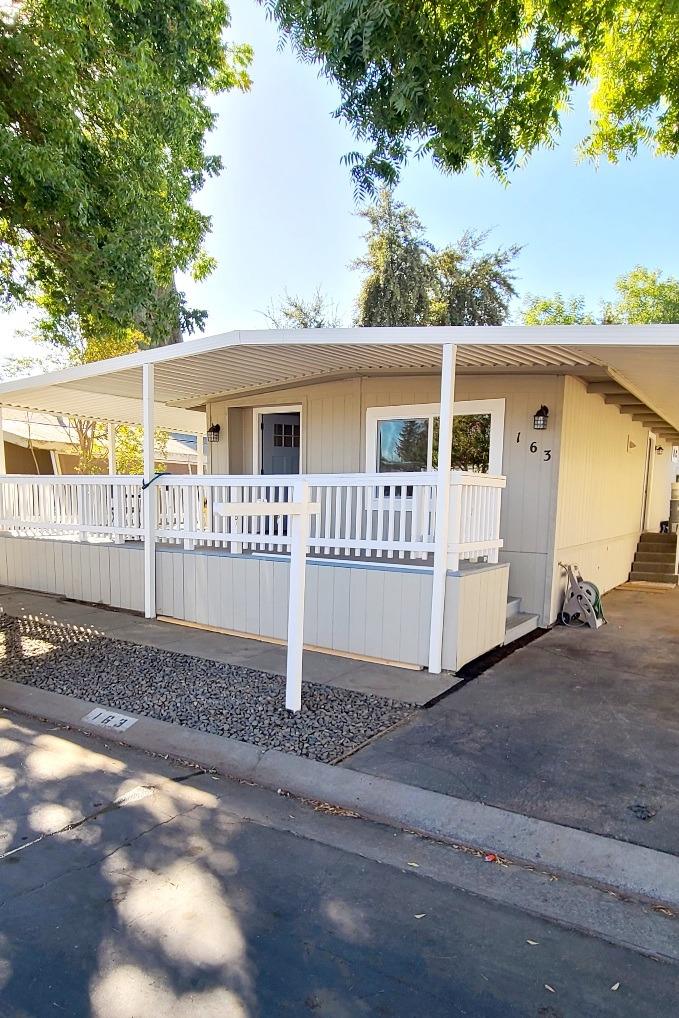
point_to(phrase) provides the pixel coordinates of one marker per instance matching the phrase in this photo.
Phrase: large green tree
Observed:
(397, 282)
(103, 117)
(408, 281)
(642, 297)
(476, 81)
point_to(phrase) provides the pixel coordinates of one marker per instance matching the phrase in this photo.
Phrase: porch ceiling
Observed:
(644, 361)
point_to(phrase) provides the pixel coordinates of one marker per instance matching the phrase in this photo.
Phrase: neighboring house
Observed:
(38, 443)
(564, 444)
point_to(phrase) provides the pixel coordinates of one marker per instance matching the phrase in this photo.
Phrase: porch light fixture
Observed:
(540, 418)
(659, 450)
(213, 433)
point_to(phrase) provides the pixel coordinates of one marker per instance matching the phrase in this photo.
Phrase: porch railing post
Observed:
(149, 501)
(438, 590)
(299, 537)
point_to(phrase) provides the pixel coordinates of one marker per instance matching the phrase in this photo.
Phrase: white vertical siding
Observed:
(476, 609)
(370, 612)
(104, 574)
(598, 518)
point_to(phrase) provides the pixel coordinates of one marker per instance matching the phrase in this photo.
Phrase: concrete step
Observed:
(644, 555)
(519, 625)
(650, 538)
(666, 566)
(513, 606)
(654, 577)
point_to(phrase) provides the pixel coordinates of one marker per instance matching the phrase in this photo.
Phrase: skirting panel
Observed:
(367, 611)
(109, 574)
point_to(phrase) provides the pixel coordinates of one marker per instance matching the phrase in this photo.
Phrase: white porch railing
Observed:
(82, 507)
(371, 516)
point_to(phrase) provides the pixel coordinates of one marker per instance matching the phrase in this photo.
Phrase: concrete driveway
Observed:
(579, 727)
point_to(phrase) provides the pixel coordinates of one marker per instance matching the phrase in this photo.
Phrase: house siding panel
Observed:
(598, 517)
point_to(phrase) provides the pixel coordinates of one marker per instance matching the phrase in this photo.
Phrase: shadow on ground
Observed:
(130, 889)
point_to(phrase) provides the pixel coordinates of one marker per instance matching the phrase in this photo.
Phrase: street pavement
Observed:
(131, 887)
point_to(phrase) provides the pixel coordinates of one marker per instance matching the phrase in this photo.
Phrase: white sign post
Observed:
(298, 512)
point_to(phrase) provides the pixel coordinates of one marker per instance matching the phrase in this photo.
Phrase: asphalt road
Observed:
(133, 888)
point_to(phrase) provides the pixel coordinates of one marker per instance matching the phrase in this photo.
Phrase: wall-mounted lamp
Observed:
(540, 418)
(213, 433)
(659, 450)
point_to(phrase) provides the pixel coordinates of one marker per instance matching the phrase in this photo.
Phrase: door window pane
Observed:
(402, 444)
(471, 443)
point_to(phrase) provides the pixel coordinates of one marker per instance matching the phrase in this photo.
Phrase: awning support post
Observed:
(445, 450)
(148, 494)
(111, 449)
(3, 465)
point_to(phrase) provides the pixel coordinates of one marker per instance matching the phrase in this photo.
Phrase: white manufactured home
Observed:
(443, 474)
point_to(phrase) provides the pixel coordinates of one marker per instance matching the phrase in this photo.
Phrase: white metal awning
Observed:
(644, 360)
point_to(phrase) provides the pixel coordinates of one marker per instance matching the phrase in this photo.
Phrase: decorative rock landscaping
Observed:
(212, 697)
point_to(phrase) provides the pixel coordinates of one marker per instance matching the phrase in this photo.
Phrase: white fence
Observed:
(80, 507)
(361, 515)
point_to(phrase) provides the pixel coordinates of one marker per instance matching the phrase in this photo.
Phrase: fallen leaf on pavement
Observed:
(420, 915)
(615, 986)
(533, 943)
(550, 988)
(415, 864)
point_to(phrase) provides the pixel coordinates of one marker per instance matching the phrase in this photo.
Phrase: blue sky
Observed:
(284, 216)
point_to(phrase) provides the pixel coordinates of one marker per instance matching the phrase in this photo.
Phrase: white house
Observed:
(564, 443)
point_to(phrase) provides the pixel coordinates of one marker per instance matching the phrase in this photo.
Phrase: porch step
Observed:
(655, 559)
(519, 625)
(513, 606)
(670, 578)
(661, 565)
(649, 537)
(644, 555)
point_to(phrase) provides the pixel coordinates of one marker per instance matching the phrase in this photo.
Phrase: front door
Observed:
(279, 443)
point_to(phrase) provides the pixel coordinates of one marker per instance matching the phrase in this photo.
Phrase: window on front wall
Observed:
(411, 443)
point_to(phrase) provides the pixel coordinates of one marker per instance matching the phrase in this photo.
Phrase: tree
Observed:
(103, 118)
(397, 286)
(297, 313)
(409, 282)
(471, 287)
(556, 310)
(487, 83)
(644, 297)
(65, 345)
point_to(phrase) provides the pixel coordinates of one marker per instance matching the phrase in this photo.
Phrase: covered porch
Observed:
(406, 566)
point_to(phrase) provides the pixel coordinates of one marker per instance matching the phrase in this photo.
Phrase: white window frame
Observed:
(495, 408)
(257, 414)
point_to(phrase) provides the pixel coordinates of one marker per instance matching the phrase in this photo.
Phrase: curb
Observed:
(618, 866)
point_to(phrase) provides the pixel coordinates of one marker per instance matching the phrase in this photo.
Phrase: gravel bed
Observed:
(207, 695)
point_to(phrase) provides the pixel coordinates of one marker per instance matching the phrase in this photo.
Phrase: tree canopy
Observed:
(103, 118)
(292, 312)
(468, 81)
(643, 297)
(409, 282)
(396, 288)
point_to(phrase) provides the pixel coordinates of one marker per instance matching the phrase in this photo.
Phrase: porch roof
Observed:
(641, 360)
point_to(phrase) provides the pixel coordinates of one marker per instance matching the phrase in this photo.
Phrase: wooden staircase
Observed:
(655, 560)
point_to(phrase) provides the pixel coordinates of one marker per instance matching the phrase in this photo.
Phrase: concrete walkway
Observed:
(406, 685)
(580, 728)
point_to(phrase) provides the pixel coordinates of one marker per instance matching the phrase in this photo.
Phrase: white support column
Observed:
(149, 499)
(111, 449)
(299, 537)
(200, 454)
(3, 465)
(438, 592)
